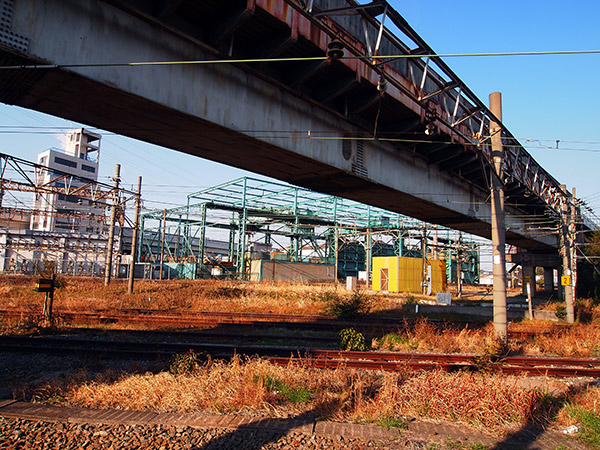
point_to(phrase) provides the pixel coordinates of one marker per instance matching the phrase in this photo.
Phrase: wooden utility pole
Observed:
(134, 238)
(498, 221)
(162, 244)
(111, 230)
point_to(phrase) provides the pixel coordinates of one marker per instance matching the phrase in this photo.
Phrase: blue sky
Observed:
(545, 98)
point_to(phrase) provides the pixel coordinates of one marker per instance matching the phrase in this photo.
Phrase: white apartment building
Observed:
(79, 158)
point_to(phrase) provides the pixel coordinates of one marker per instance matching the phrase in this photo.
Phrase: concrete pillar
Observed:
(528, 277)
(566, 253)
(548, 279)
(498, 222)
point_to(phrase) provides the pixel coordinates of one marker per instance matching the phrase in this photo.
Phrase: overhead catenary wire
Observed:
(379, 137)
(296, 59)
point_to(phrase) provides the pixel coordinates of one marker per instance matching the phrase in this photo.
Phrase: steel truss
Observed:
(53, 247)
(447, 100)
(61, 183)
(295, 223)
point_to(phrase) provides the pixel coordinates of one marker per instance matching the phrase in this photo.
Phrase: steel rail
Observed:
(388, 361)
(207, 318)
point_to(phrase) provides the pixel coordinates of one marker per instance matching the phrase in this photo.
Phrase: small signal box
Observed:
(44, 285)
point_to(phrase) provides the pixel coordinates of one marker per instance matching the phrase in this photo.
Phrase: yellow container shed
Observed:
(401, 274)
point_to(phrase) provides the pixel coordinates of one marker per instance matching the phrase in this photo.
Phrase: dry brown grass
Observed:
(580, 340)
(183, 295)
(425, 336)
(587, 399)
(491, 402)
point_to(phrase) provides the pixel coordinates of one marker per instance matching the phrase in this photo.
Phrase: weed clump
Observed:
(183, 363)
(561, 312)
(350, 339)
(278, 387)
(356, 304)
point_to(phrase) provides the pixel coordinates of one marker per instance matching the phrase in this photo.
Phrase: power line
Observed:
(379, 137)
(296, 59)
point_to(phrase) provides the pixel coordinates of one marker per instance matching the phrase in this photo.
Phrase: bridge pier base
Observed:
(548, 279)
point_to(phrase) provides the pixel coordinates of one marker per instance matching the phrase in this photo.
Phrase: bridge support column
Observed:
(498, 222)
(548, 279)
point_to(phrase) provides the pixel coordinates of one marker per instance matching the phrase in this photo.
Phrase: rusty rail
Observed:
(388, 361)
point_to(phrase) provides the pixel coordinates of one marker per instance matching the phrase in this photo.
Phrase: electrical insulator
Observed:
(382, 84)
(335, 49)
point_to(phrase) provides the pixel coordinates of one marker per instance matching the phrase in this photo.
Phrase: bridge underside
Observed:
(275, 119)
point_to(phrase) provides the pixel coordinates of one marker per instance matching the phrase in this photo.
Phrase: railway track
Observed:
(179, 320)
(389, 361)
(202, 319)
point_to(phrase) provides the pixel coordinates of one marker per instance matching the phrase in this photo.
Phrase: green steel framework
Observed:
(336, 230)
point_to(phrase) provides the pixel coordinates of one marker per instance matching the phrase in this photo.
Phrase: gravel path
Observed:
(28, 434)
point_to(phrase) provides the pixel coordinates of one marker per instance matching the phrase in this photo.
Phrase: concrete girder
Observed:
(446, 154)
(361, 103)
(163, 10)
(276, 46)
(226, 27)
(426, 149)
(336, 88)
(401, 126)
(206, 111)
(307, 71)
(458, 162)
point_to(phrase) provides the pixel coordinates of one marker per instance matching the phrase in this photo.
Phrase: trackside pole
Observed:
(111, 230)
(134, 238)
(498, 222)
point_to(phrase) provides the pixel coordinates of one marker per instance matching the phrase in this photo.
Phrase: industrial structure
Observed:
(278, 231)
(66, 230)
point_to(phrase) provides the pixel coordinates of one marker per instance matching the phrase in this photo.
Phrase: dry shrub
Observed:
(249, 386)
(581, 340)
(483, 400)
(222, 386)
(425, 336)
(587, 399)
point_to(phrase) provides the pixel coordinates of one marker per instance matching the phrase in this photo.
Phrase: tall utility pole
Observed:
(111, 230)
(498, 221)
(566, 246)
(162, 243)
(424, 261)
(573, 238)
(459, 256)
(134, 238)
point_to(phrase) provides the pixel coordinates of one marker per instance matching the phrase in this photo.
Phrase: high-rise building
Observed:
(79, 159)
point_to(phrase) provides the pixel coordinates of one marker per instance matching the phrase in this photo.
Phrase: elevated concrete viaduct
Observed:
(404, 134)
